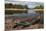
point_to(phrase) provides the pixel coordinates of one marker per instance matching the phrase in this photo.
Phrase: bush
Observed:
(23, 24)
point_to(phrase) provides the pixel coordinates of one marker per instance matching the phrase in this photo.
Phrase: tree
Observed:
(39, 7)
(8, 5)
(26, 6)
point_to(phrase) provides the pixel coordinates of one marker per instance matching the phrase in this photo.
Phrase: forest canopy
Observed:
(16, 6)
(39, 7)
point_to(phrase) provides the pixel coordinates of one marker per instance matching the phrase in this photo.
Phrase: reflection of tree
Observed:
(12, 12)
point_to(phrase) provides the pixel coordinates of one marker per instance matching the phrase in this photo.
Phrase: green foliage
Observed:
(39, 7)
(8, 5)
(26, 6)
(23, 24)
(16, 6)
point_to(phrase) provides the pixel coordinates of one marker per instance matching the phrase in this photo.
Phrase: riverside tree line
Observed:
(10, 5)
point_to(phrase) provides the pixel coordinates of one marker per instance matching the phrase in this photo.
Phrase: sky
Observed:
(27, 0)
(29, 3)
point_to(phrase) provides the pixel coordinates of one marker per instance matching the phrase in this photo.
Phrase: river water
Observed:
(30, 13)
